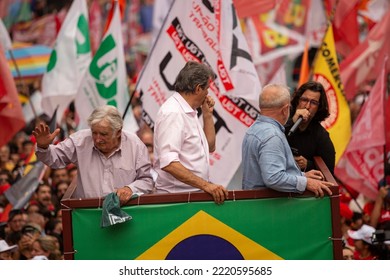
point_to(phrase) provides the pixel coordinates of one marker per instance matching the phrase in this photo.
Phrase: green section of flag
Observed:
(292, 228)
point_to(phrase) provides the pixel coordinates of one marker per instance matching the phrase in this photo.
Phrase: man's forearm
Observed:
(209, 131)
(177, 170)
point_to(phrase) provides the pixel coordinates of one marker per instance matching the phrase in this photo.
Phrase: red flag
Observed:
(248, 8)
(122, 7)
(11, 115)
(387, 126)
(95, 25)
(362, 164)
(345, 26)
(363, 63)
(304, 74)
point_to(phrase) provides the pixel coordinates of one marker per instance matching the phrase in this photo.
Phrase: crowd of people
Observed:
(174, 158)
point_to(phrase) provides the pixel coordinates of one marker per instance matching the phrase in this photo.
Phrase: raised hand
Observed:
(43, 136)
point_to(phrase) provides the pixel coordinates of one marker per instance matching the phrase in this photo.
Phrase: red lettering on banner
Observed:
(200, 24)
(247, 120)
(226, 81)
(226, 102)
(223, 74)
(187, 55)
(214, 157)
(203, 22)
(232, 107)
(155, 91)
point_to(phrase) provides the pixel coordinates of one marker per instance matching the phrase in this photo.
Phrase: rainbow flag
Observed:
(31, 60)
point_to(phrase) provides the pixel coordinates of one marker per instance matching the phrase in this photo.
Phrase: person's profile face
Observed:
(202, 93)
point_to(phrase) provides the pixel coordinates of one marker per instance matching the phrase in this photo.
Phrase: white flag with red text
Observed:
(207, 32)
(361, 166)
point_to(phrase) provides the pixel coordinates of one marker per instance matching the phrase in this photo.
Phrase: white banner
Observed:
(68, 61)
(105, 82)
(208, 32)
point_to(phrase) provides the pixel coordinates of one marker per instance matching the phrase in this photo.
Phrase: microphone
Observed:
(295, 126)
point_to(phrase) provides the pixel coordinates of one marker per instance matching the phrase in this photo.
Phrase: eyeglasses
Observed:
(306, 100)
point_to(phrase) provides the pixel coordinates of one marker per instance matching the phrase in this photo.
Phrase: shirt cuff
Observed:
(301, 183)
(167, 158)
(41, 149)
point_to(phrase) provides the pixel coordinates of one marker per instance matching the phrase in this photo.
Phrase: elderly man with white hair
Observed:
(108, 159)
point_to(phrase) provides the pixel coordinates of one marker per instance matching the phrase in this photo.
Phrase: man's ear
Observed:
(198, 88)
(286, 110)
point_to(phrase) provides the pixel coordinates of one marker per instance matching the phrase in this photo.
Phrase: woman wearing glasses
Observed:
(309, 102)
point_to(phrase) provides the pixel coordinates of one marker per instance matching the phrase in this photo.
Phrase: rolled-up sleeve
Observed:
(170, 138)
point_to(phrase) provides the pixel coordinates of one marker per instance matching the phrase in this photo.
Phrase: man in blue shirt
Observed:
(267, 157)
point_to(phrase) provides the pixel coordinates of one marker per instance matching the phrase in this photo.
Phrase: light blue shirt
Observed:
(267, 159)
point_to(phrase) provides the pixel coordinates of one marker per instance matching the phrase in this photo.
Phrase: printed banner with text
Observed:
(208, 32)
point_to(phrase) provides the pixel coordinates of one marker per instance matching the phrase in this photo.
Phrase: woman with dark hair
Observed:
(310, 139)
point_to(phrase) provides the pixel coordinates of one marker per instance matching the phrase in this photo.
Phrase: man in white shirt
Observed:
(181, 144)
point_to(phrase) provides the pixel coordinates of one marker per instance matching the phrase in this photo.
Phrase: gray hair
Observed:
(192, 75)
(274, 96)
(108, 113)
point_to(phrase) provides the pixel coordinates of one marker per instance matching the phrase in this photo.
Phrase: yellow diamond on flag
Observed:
(204, 237)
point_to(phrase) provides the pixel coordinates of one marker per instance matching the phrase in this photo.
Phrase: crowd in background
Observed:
(35, 232)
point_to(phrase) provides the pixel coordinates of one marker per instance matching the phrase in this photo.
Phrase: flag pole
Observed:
(147, 60)
(385, 159)
(24, 86)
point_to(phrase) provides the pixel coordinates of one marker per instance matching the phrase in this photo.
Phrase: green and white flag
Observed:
(105, 82)
(68, 61)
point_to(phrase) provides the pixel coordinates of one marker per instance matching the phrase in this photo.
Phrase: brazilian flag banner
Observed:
(293, 228)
